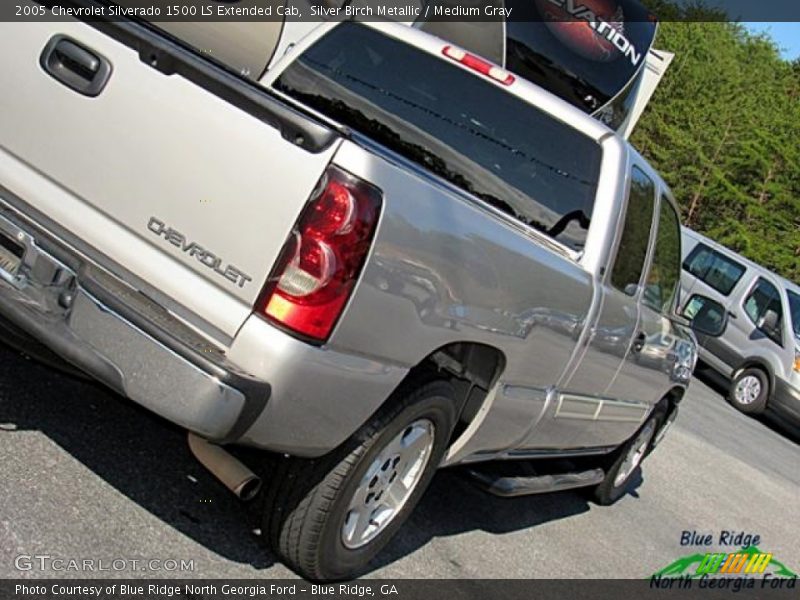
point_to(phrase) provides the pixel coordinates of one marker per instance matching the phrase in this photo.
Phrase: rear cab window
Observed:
(632, 252)
(714, 269)
(455, 124)
(660, 284)
(661, 287)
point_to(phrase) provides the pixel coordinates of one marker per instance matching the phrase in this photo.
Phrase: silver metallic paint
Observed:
(444, 266)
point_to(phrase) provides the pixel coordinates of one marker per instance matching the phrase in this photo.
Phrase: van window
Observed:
(714, 269)
(454, 123)
(764, 297)
(662, 280)
(632, 251)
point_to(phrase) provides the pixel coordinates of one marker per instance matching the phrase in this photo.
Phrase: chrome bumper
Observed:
(123, 339)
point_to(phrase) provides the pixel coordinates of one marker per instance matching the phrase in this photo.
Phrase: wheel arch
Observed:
(670, 402)
(672, 399)
(472, 367)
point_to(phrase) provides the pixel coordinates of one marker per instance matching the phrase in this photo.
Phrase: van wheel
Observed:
(328, 517)
(749, 391)
(627, 460)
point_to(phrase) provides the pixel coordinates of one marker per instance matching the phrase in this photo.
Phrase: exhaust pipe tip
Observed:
(248, 489)
(230, 471)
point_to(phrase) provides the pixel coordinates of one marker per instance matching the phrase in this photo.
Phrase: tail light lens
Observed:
(320, 262)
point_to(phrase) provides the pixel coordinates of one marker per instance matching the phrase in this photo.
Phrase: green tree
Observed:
(723, 129)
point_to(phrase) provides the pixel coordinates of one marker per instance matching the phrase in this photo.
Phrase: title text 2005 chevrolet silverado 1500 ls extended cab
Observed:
(385, 257)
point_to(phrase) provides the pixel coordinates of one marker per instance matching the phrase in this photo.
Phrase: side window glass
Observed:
(724, 275)
(662, 280)
(763, 308)
(714, 269)
(699, 261)
(629, 263)
(754, 304)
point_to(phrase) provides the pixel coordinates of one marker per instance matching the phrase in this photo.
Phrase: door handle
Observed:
(638, 342)
(76, 66)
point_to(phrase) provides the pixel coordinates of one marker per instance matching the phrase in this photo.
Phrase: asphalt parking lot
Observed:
(84, 474)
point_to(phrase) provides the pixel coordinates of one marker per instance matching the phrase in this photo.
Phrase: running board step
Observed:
(508, 487)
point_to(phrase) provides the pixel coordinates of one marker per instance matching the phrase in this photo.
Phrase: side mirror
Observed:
(768, 323)
(706, 316)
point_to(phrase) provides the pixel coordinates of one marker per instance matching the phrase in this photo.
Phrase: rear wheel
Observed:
(627, 460)
(749, 391)
(328, 517)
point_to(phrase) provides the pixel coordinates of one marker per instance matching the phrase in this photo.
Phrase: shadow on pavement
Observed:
(144, 457)
(453, 505)
(148, 460)
(782, 427)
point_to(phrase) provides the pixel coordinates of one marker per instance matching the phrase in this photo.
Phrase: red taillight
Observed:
(321, 260)
(484, 67)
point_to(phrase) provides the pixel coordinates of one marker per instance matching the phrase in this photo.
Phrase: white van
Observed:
(747, 321)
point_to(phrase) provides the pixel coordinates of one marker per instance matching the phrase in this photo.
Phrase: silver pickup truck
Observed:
(386, 256)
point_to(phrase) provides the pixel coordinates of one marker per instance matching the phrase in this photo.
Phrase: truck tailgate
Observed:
(185, 190)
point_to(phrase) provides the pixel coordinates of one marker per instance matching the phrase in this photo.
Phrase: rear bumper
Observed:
(126, 341)
(786, 399)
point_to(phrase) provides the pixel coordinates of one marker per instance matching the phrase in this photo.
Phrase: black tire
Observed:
(757, 406)
(307, 501)
(609, 491)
